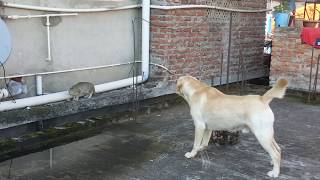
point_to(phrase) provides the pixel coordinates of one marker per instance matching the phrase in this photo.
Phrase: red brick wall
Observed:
(192, 41)
(291, 59)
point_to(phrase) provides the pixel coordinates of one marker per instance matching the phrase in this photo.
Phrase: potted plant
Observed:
(282, 13)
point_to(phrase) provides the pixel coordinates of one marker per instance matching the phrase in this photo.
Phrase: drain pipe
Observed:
(68, 10)
(60, 96)
(145, 38)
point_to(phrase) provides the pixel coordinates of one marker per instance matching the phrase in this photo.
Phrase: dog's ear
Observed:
(179, 86)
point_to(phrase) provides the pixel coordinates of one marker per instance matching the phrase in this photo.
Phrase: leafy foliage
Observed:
(283, 7)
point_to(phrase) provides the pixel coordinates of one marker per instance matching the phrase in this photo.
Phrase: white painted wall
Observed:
(86, 40)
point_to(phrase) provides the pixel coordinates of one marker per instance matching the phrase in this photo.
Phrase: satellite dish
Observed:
(5, 42)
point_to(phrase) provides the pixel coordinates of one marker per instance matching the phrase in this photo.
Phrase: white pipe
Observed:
(60, 96)
(48, 38)
(39, 85)
(68, 70)
(39, 8)
(190, 6)
(83, 69)
(145, 37)
(14, 17)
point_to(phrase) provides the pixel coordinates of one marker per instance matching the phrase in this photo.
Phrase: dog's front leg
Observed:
(198, 135)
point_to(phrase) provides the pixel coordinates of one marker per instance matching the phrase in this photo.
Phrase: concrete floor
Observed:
(155, 148)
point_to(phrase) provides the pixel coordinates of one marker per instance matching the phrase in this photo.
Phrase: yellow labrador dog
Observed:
(213, 110)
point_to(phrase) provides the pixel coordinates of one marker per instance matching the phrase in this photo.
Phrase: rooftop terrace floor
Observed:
(155, 148)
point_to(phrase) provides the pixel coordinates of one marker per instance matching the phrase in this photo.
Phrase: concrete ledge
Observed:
(122, 96)
(23, 116)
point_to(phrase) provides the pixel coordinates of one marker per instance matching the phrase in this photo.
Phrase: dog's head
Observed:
(181, 84)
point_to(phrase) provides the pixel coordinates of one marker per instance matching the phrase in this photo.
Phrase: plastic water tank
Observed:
(282, 19)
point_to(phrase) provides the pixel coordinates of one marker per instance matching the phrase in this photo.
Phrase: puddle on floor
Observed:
(106, 154)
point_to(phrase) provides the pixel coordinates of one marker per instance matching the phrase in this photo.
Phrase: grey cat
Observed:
(82, 89)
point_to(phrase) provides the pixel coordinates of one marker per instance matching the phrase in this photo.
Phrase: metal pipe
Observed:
(145, 38)
(15, 17)
(48, 38)
(229, 49)
(242, 72)
(68, 70)
(316, 77)
(189, 6)
(84, 69)
(244, 77)
(239, 66)
(310, 78)
(238, 73)
(51, 9)
(60, 96)
(221, 67)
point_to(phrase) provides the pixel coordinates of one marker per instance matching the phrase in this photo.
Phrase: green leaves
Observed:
(283, 7)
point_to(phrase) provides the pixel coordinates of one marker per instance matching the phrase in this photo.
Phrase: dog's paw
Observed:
(273, 174)
(189, 155)
(245, 130)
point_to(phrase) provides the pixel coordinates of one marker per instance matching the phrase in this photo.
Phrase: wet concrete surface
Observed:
(155, 148)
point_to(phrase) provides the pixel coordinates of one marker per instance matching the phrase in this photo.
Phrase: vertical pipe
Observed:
(316, 77)
(314, 10)
(243, 75)
(145, 38)
(229, 49)
(239, 67)
(304, 11)
(221, 67)
(239, 70)
(48, 38)
(310, 79)
(39, 85)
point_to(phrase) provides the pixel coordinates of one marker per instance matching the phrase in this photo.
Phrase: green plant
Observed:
(283, 7)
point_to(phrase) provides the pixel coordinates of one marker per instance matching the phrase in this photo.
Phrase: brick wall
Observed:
(291, 59)
(192, 41)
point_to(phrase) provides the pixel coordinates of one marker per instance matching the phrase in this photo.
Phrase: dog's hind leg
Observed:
(276, 145)
(205, 140)
(198, 136)
(265, 138)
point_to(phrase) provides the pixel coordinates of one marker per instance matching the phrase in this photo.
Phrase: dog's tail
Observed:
(277, 91)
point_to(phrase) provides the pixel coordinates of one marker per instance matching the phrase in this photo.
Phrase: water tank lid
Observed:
(5, 42)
